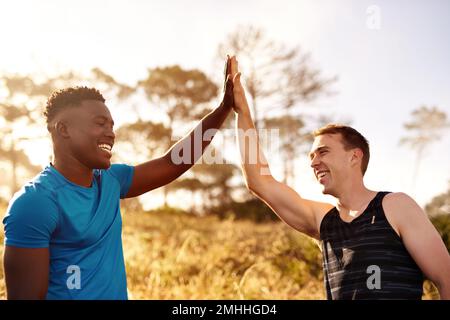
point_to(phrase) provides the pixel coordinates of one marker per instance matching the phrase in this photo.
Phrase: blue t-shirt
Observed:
(82, 227)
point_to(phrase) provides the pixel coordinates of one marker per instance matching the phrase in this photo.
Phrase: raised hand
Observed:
(228, 99)
(240, 102)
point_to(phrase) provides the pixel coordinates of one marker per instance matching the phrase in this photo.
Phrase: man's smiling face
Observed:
(330, 162)
(91, 136)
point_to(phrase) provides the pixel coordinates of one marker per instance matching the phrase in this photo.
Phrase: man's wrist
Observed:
(244, 112)
(226, 104)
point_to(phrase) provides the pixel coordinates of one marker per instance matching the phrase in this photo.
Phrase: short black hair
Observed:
(69, 97)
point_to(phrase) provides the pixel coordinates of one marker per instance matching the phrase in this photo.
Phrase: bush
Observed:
(442, 224)
(172, 211)
(254, 210)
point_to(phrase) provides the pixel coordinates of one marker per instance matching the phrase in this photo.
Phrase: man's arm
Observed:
(420, 238)
(26, 272)
(161, 171)
(301, 214)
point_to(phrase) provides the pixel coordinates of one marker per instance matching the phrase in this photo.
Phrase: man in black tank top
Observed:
(375, 245)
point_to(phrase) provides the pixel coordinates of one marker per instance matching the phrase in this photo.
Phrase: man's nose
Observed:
(110, 133)
(314, 161)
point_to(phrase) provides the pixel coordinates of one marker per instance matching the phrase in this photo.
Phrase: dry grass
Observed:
(171, 256)
(179, 257)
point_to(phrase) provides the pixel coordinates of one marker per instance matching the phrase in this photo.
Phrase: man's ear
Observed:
(61, 130)
(357, 156)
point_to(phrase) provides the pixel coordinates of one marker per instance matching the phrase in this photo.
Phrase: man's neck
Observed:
(355, 200)
(74, 171)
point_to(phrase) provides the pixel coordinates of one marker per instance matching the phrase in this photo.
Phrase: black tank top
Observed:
(366, 259)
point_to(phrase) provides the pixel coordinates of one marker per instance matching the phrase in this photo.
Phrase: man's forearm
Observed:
(253, 160)
(196, 141)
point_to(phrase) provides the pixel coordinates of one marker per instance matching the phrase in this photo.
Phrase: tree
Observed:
(142, 139)
(181, 94)
(191, 185)
(20, 111)
(293, 138)
(279, 81)
(439, 211)
(279, 76)
(22, 108)
(216, 180)
(427, 126)
(213, 181)
(439, 205)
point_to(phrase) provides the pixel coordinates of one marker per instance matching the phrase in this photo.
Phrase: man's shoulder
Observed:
(398, 207)
(33, 195)
(32, 205)
(397, 200)
(118, 171)
(42, 188)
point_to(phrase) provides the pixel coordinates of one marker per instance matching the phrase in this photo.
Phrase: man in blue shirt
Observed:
(63, 229)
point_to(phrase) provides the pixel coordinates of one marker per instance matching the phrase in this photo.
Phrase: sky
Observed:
(388, 63)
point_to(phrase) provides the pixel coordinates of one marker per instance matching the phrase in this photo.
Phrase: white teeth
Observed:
(105, 147)
(321, 174)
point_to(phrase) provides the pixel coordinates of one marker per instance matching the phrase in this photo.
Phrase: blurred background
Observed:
(379, 66)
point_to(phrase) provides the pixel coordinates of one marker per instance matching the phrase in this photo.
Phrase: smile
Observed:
(105, 147)
(321, 174)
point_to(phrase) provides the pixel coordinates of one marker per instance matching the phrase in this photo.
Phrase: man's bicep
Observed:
(26, 272)
(124, 174)
(302, 214)
(429, 252)
(422, 240)
(149, 176)
(30, 221)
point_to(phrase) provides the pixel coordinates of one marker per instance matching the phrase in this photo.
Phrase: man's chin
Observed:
(329, 191)
(325, 190)
(103, 165)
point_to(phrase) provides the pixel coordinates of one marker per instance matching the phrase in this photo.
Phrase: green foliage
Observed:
(145, 139)
(300, 258)
(439, 205)
(439, 211)
(168, 210)
(442, 224)
(180, 92)
(254, 210)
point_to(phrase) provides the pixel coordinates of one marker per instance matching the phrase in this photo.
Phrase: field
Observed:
(174, 256)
